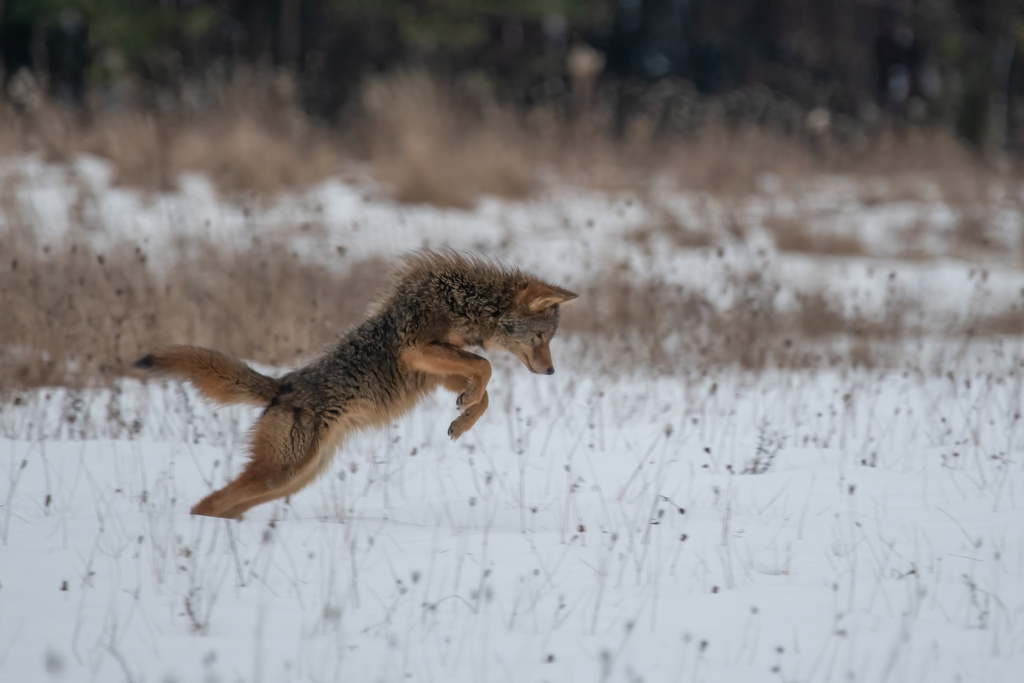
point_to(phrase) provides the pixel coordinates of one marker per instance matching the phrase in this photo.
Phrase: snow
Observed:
(585, 529)
(589, 527)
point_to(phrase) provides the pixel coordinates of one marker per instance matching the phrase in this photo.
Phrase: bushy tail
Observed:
(219, 377)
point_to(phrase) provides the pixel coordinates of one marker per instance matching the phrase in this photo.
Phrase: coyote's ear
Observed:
(537, 296)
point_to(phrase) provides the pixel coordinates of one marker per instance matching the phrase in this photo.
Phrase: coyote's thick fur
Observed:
(412, 340)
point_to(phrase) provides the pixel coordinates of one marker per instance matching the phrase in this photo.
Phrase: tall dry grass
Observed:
(438, 141)
(438, 144)
(247, 133)
(76, 316)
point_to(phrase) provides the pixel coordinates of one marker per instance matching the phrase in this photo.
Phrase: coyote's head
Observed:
(526, 329)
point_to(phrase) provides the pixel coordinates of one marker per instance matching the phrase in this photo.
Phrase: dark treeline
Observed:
(948, 62)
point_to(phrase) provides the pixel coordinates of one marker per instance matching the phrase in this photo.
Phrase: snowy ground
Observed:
(585, 530)
(854, 525)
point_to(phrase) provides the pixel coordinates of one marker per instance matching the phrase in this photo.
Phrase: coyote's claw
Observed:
(458, 427)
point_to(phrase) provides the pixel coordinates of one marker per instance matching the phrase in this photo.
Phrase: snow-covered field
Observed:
(584, 530)
(689, 525)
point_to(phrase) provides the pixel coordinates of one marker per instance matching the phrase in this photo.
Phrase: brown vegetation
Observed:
(76, 316)
(446, 143)
(432, 144)
(794, 235)
(249, 135)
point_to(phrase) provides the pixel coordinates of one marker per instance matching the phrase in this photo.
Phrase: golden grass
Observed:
(435, 144)
(251, 137)
(441, 142)
(75, 316)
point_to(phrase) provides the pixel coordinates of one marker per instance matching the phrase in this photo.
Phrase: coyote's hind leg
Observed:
(285, 455)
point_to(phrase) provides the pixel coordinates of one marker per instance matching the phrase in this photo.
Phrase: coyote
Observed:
(412, 340)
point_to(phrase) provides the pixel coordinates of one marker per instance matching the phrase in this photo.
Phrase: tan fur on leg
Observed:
(285, 455)
(461, 371)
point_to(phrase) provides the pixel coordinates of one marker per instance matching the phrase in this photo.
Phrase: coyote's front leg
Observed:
(462, 372)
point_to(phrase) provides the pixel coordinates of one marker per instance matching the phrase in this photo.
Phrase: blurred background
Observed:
(815, 73)
(950, 62)
(734, 182)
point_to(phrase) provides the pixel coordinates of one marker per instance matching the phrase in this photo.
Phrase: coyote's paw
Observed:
(459, 426)
(468, 418)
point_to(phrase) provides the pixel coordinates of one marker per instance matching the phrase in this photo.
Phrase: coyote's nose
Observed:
(549, 371)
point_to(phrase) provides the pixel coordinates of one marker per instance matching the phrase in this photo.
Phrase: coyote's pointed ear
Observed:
(537, 296)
